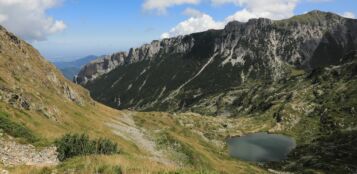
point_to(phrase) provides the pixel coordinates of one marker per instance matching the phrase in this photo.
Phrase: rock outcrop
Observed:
(102, 65)
(15, 154)
(186, 71)
(107, 63)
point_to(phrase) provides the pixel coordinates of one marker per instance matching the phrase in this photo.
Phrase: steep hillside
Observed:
(32, 85)
(38, 105)
(193, 72)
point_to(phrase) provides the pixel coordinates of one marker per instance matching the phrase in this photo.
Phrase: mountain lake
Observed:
(261, 147)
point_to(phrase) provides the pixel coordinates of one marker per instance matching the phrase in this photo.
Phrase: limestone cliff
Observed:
(184, 72)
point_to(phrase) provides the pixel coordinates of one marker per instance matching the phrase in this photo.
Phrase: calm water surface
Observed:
(261, 147)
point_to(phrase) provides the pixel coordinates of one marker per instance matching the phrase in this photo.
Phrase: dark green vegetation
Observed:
(76, 145)
(15, 129)
(335, 153)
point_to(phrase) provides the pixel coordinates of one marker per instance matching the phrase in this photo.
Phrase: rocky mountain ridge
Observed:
(308, 30)
(105, 64)
(181, 72)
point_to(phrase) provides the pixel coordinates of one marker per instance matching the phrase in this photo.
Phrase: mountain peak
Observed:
(312, 16)
(319, 12)
(233, 25)
(259, 21)
(315, 17)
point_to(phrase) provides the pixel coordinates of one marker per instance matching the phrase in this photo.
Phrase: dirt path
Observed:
(125, 127)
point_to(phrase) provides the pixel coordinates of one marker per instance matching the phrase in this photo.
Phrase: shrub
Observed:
(76, 145)
(16, 130)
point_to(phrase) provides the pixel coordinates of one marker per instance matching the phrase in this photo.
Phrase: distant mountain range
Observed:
(71, 68)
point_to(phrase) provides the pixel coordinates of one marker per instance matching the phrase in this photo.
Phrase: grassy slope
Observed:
(202, 156)
(188, 147)
(52, 113)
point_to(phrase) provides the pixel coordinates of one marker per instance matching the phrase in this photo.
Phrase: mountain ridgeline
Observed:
(210, 72)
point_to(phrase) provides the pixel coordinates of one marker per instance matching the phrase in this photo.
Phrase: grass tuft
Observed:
(16, 130)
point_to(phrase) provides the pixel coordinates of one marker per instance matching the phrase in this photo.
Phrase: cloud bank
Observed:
(198, 21)
(272, 9)
(28, 18)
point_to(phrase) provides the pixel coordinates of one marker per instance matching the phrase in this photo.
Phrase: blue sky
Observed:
(77, 28)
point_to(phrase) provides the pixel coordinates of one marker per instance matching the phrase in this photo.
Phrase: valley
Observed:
(171, 106)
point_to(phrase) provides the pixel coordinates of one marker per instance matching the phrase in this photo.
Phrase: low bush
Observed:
(77, 145)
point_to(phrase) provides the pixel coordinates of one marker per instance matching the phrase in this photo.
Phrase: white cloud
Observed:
(197, 22)
(57, 26)
(273, 9)
(243, 16)
(348, 14)
(28, 18)
(161, 5)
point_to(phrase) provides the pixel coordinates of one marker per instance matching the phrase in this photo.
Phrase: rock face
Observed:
(99, 67)
(193, 71)
(107, 63)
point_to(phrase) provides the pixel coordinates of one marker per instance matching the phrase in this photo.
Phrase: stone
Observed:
(15, 154)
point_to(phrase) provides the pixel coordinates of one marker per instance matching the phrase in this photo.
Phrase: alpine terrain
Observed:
(295, 77)
(50, 125)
